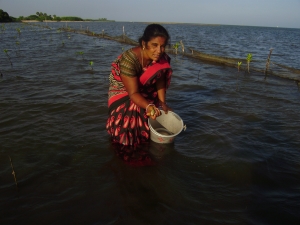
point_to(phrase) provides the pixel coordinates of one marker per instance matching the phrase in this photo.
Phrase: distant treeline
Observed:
(4, 17)
(40, 16)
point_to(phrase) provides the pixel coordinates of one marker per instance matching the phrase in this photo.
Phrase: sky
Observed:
(269, 13)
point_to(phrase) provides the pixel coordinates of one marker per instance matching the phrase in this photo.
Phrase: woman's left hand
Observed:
(165, 107)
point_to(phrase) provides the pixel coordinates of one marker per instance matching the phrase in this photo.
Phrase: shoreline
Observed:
(62, 21)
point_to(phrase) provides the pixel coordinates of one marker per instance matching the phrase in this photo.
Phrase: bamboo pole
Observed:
(13, 172)
(182, 46)
(268, 62)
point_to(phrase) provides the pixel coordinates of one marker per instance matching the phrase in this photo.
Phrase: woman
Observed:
(138, 82)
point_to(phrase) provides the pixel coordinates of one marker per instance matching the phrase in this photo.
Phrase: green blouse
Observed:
(129, 64)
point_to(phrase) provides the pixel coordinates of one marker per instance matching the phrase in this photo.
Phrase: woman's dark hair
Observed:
(152, 31)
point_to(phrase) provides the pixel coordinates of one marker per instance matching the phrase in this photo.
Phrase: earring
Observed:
(143, 47)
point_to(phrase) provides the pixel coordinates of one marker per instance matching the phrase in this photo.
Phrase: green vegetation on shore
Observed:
(40, 16)
(4, 17)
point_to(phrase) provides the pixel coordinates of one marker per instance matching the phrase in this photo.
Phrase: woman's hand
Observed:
(165, 107)
(152, 111)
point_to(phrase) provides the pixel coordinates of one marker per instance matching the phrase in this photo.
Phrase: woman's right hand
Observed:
(152, 111)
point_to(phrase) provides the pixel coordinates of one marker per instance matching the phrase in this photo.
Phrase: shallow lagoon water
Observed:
(237, 162)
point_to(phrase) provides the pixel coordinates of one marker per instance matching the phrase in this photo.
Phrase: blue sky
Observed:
(269, 13)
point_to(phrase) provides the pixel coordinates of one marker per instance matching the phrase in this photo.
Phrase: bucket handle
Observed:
(184, 127)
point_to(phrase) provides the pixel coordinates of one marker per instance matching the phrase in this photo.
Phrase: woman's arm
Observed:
(161, 92)
(131, 85)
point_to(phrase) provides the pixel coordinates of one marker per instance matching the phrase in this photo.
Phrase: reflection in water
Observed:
(147, 195)
(143, 155)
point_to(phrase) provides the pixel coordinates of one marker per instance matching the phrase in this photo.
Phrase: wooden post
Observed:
(268, 62)
(13, 172)
(123, 34)
(182, 46)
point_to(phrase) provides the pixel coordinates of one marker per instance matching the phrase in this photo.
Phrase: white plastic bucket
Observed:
(166, 127)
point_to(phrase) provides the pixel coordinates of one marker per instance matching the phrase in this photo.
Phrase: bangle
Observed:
(148, 106)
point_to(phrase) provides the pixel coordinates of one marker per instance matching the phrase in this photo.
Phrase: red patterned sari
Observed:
(127, 123)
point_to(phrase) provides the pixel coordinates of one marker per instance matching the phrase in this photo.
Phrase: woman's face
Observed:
(154, 48)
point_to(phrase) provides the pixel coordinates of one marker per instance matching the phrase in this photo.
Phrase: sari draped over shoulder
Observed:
(127, 123)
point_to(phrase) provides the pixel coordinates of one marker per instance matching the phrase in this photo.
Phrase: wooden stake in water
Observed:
(182, 46)
(123, 34)
(13, 172)
(268, 62)
(237, 78)
(198, 76)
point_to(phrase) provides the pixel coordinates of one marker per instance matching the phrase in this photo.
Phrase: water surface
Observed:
(237, 163)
